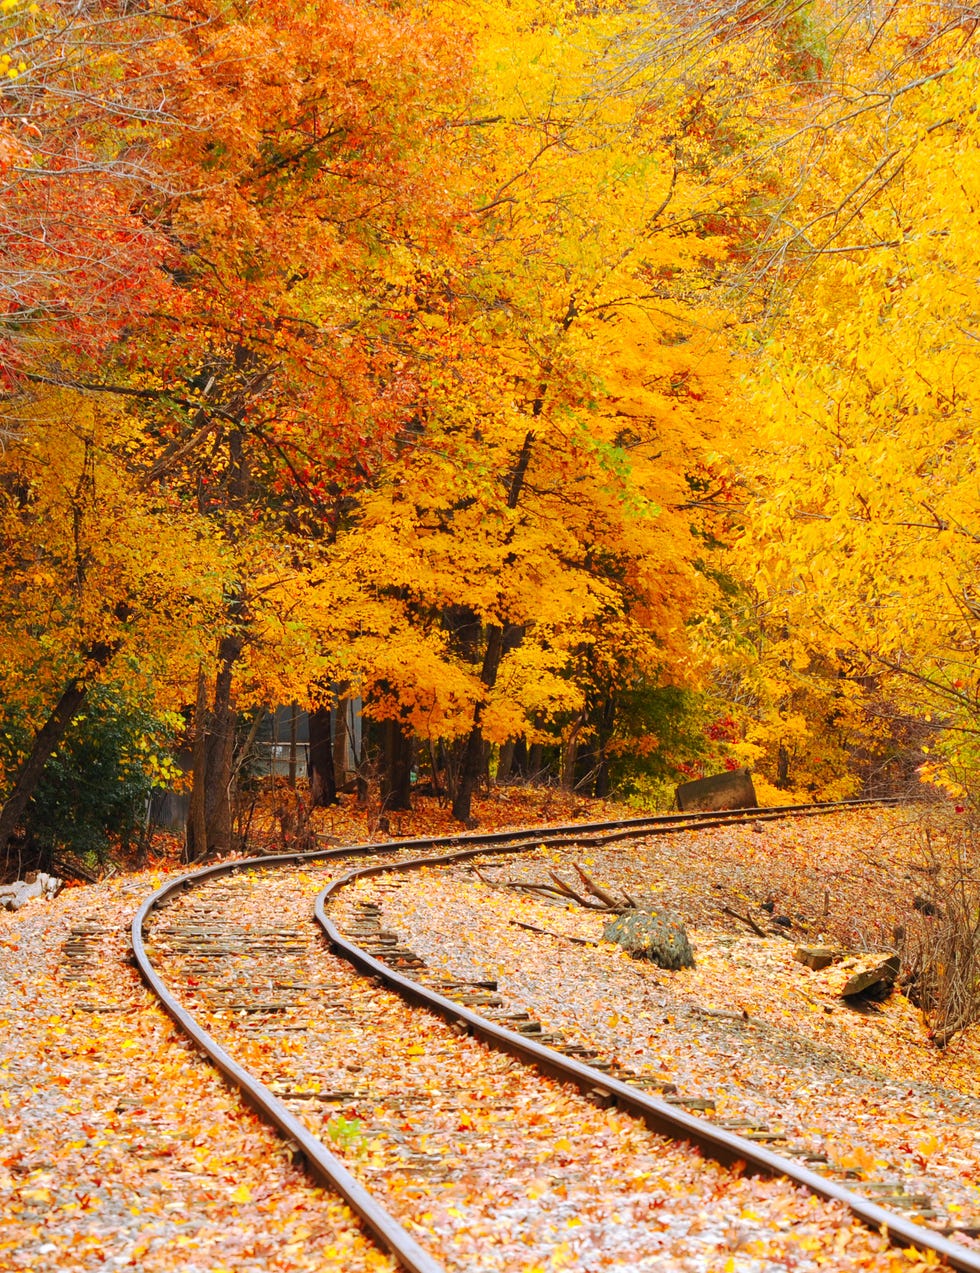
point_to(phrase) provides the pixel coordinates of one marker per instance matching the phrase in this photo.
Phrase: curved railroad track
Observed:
(231, 954)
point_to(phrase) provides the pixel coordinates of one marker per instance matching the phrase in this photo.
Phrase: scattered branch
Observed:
(577, 897)
(599, 899)
(594, 888)
(745, 919)
(533, 928)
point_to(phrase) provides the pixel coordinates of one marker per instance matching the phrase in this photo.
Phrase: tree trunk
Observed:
(213, 772)
(569, 754)
(221, 751)
(601, 788)
(323, 782)
(569, 760)
(505, 762)
(365, 763)
(396, 766)
(343, 751)
(293, 744)
(474, 758)
(197, 830)
(782, 768)
(592, 768)
(472, 768)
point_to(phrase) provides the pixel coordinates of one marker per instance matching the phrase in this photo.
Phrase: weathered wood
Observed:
(745, 919)
(732, 790)
(594, 888)
(877, 970)
(20, 892)
(817, 957)
(577, 897)
(533, 928)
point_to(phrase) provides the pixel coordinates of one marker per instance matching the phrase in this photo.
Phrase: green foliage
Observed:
(346, 1133)
(661, 741)
(95, 788)
(802, 40)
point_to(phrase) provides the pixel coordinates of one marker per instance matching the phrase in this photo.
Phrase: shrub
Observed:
(654, 935)
(941, 941)
(94, 789)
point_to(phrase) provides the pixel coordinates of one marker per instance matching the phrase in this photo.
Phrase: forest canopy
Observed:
(582, 392)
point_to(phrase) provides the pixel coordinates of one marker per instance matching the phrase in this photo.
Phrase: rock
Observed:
(50, 883)
(14, 896)
(817, 957)
(871, 970)
(654, 935)
(783, 921)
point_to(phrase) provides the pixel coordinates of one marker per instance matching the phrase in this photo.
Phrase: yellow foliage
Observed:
(863, 529)
(89, 557)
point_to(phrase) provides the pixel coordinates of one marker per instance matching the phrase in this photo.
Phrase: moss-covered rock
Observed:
(654, 935)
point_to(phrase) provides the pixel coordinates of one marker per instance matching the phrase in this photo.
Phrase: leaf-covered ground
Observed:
(490, 1164)
(120, 1148)
(864, 1087)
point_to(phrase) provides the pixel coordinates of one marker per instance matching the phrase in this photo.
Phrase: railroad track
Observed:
(231, 953)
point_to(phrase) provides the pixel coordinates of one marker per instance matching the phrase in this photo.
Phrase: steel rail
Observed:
(326, 1167)
(623, 828)
(329, 1170)
(714, 1142)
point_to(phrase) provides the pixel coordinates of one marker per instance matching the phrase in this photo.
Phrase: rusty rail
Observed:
(323, 1165)
(714, 1142)
(724, 1146)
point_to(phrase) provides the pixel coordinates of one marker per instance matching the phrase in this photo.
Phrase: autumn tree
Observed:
(99, 579)
(286, 364)
(289, 181)
(82, 115)
(535, 542)
(80, 118)
(866, 477)
(609, 209)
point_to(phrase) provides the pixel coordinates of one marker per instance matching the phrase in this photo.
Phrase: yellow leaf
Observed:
(241, 1194)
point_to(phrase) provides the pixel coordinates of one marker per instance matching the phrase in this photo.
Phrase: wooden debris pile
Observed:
(14, 896)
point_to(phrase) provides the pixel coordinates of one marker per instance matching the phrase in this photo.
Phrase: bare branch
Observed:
(745, 919)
